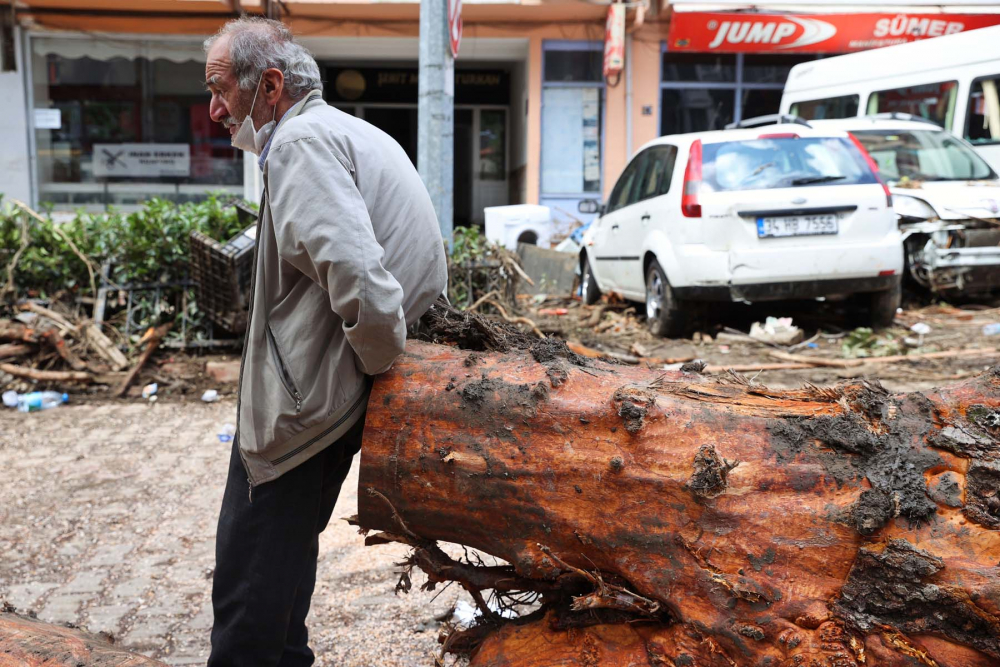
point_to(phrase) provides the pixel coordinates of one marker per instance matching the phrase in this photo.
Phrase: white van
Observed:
(951, 80)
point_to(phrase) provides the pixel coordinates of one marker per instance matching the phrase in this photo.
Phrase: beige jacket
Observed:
(349, 253)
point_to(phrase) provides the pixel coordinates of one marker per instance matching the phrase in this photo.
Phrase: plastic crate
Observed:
(223, 272)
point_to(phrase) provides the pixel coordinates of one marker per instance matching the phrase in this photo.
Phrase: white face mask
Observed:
(246, 139)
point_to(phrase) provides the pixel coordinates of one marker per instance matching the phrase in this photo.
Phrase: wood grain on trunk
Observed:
(694, 521)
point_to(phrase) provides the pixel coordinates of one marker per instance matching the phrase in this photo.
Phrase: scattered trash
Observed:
(724, 349)
(467, 615)
(921, 330)
(149, 391)
(639, 350)
(812, 346)
(40, 400)
(554, 311)
(992, 329)
(777, 331)
(227, 432)
(210, 396)
(10, 399)
(863, 342)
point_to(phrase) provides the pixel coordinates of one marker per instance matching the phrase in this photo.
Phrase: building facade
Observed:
(105, 105)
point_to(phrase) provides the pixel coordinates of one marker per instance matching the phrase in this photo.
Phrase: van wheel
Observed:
(588, 285)
(662, 315)
(883, 305)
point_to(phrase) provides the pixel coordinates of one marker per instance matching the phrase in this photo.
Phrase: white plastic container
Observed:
(528, 223)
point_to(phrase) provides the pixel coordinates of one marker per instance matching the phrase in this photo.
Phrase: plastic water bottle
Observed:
(40, 400)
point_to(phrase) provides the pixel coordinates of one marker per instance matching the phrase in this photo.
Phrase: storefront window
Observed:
(702, 91)
(571, 120)
(119, 122)
(760, 102)
(707, 67)
(934, 101)
(493, 145)
(768, 68)
(982, 122)
(574, 65)
(692, 110)
(845, 106)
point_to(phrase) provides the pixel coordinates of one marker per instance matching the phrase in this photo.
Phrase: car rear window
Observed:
(783, 162)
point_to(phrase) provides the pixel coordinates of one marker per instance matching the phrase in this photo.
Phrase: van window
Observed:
(934, 101)
(780, 162)
(845, 106)
(923, 155)
(982, 120)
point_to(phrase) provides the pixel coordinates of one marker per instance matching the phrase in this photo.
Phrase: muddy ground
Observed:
(108, 508)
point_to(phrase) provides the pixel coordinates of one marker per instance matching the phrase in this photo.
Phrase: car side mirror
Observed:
(588, 206)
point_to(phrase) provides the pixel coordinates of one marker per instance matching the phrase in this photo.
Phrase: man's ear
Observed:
(273, 86)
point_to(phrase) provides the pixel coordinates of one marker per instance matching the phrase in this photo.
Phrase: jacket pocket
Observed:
(283, 374)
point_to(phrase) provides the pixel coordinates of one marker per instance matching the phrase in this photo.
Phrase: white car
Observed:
(946, 196)
(766, 211)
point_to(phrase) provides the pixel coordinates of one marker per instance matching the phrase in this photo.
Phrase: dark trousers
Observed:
(265, 558)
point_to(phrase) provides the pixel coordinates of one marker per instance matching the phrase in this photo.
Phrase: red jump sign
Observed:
(719, 32)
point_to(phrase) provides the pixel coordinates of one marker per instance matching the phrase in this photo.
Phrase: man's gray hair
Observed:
(257, 44)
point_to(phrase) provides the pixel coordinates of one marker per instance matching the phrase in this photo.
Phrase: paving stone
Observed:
(63, 608)
(223, 372)
(24, 596)
(107, 618)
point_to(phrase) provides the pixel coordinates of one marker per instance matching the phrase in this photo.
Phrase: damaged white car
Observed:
(947, 199)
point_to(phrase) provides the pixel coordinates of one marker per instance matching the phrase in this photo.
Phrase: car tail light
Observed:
(873, 166)
(779, 135)
(888, 272)
(690, 206)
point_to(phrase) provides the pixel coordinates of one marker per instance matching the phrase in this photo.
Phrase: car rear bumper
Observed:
(801, 289)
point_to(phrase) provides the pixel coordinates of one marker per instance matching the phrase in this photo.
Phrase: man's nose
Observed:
(217, 109)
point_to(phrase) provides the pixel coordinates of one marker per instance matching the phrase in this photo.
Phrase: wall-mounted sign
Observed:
(614, 40)
(48, 119)
(142, 160)
(731, 32)
(398, 85)
(454, 25)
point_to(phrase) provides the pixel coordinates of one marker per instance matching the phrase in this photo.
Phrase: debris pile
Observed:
(40, 346)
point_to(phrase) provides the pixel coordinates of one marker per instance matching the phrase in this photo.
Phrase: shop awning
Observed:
(308, 17)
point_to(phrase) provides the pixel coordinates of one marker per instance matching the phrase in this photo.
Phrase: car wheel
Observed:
(662, 315)
(588, 285)
(883, 305)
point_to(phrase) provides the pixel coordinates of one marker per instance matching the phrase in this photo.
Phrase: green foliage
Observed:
(469, 245)
(147, 246)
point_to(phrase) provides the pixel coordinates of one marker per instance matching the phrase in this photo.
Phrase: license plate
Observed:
(797, 225)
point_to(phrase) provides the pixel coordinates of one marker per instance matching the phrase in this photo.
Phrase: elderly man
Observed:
(348, 255)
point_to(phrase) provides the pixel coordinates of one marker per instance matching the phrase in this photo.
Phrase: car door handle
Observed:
(645, 218)
(614, 226)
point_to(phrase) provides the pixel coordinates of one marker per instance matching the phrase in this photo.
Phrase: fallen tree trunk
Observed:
(28, 642)
(667, 519)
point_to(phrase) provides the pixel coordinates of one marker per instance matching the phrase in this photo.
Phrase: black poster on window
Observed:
(399, 85)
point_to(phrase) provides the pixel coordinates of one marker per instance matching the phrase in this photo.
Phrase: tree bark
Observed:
(28, 642)
(668, 519)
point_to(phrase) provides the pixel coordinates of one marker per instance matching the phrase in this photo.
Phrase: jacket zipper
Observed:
(287, 455)
(283, 373)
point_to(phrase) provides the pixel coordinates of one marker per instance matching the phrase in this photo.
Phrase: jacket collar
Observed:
(294, 111)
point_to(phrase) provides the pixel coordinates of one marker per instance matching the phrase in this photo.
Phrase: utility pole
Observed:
(436, 111)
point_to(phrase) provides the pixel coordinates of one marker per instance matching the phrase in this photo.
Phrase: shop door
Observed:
(463, 168)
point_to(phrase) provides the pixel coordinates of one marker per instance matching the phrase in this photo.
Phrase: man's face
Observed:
(229, 105)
